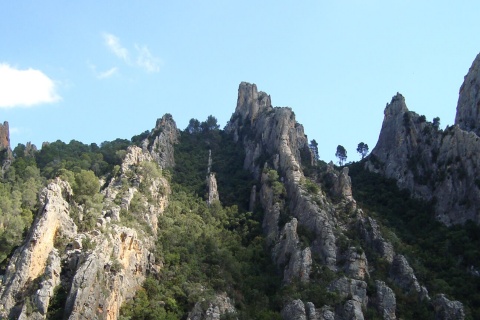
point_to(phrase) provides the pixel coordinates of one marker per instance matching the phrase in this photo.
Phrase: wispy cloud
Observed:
(113, 43)
(107, 74)
(143, 58)
(146, 60)
(25, 88)
(102, 74)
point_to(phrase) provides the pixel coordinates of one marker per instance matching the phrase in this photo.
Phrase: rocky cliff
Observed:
(95, 270)
(436, 165)
(308, 225)
(160, 143)
(468, 106)
(4, 136)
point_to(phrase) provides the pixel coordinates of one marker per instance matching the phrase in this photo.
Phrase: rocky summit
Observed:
(246, 222)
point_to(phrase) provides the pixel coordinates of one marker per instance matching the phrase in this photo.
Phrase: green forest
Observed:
(207, 249)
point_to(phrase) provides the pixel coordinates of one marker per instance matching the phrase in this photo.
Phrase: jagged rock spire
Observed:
(468, 106)
(211, 182)
(4, 136)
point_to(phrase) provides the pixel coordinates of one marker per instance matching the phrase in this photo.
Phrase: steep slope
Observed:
(65, 269)
(312, 224)
(468, 106)
(436, 165)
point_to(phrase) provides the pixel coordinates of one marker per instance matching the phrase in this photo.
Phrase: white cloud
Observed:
(113, 43)
(25, 87)
(146, 60)
(107, 74)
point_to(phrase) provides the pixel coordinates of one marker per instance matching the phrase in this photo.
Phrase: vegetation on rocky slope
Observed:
(445, 259)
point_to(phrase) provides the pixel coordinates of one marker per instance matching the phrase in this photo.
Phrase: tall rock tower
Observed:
(468, 106)
(4, 136)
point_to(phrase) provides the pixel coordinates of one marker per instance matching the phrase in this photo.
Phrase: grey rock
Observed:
(357, 265)
(385, 301)
(288, 253)
(370, 232)
(431, 163)
(351, 310)
(165, 135)
(295, 310)
(219, 306)
(4, 136)
(402, 275)
(468, 115)
(447, 310)
(273, 133)
(350, 288)
(212, 189)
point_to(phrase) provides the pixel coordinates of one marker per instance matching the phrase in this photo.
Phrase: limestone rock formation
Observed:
(402, 274)
(38, 258)
(447, 310)
(220, 305)
(161, 140)
(4, 136)
(98, 269)
(385, 300)
(468, 106)
(432, 164)
(273, 133)
(212, 189)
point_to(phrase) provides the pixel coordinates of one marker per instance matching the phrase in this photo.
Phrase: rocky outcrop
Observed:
(271, 137)
(352, 289)
(33, 270)
(212, 189)
(468, 106)
(434, 165)
(98, 269)
(160, 143)
(220, 305)
(295, 310)
(447, 310)
(4, 136)
(370, 232)
(385, 301)
(403, 276)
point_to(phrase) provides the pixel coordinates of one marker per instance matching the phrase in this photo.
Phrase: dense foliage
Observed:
(445, 259)
(207, 250)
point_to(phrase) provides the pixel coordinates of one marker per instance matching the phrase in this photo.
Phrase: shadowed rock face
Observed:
(435, 165)
(468, 107)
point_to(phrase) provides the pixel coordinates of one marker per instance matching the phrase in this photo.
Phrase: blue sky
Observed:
(96, 71)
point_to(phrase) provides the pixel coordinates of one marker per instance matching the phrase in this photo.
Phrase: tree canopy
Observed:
(362, 148)
(341, 154)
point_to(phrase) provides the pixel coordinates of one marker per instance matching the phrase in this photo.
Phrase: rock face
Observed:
(161, 141)
(274, 135)
(468, 107)
(432, 164)
(98, 269)
(220, 305)
(446, 309)
(4, 136)
(386, 302)
(402, 274)
(38, 258)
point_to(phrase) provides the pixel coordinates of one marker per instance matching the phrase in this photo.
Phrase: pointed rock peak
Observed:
(396, 106)
(251, 101)
(468, 106)
(4, 136)
(165, 121)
